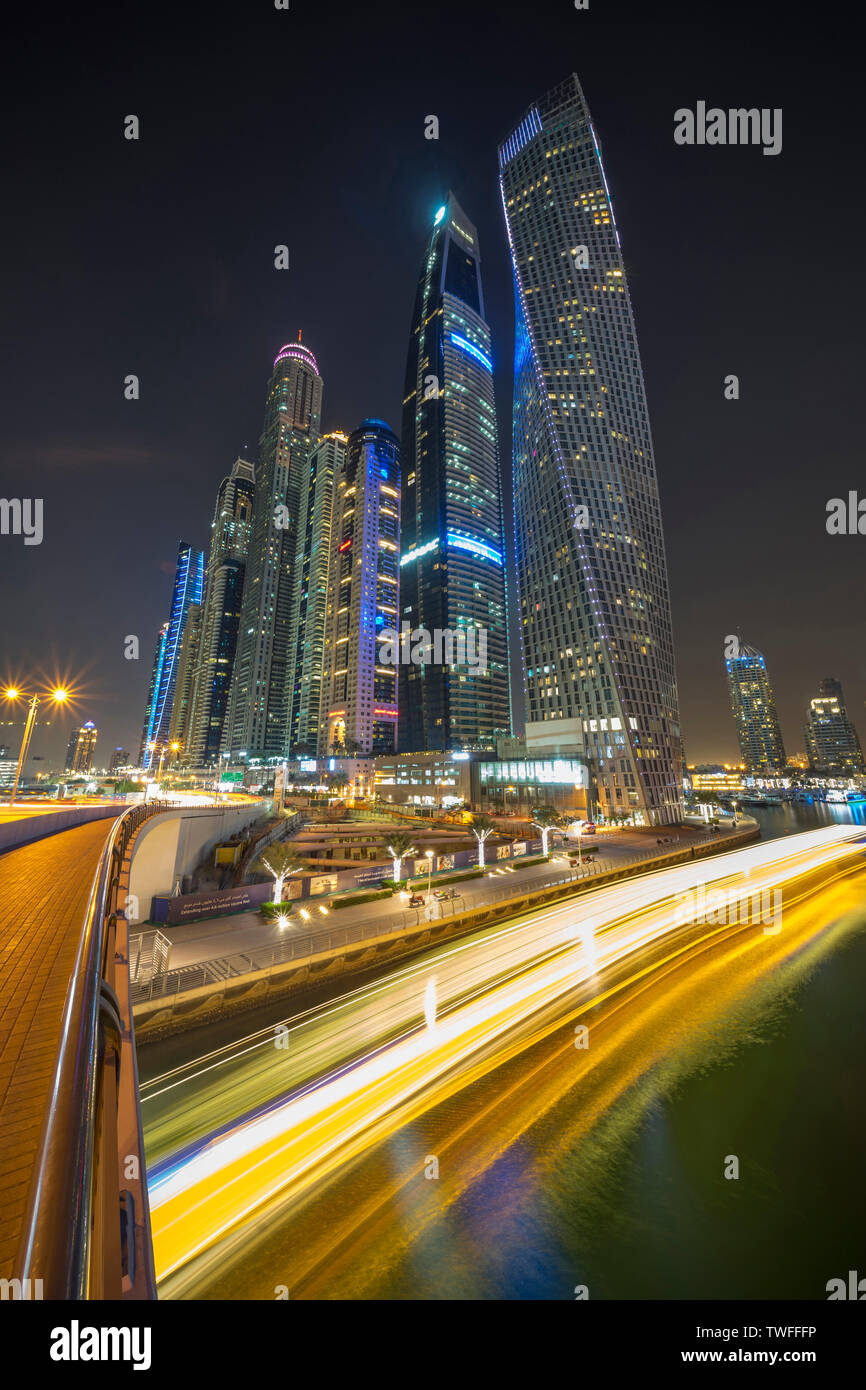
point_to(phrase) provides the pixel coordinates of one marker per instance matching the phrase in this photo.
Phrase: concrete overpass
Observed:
(73, 1198)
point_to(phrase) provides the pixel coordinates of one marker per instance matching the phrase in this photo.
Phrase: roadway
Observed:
(44, 891)
(263, 1156)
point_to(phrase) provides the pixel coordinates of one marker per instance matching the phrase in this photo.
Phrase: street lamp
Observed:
(429, 854)
(58, 696)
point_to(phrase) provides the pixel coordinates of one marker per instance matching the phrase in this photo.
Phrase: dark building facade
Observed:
(220, 615)
(832, 744)
(452, 575)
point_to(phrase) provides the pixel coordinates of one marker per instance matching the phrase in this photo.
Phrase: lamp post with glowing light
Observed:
(429, 854)
(58, 696)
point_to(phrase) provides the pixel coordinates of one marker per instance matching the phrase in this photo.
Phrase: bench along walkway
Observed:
(44, 892)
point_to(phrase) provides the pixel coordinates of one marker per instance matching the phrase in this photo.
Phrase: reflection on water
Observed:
(793, 816)
(640, 1206)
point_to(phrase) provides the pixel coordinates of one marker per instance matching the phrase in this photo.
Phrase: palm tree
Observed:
(545, 820)
(482, 828)
(400, 846)
(282, 861)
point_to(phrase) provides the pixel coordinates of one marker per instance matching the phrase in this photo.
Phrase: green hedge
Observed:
(437, 882)
(354, 898)
(271, 911)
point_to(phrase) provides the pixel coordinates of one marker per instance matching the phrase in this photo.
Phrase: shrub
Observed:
(271, 911)
(352, 898)
(437, 882)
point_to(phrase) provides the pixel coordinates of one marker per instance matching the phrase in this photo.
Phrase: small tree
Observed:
(337, 781)
(282, 861)
(482, 828)
(545, 820)
(400, 846)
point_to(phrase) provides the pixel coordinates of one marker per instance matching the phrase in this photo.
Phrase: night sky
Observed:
(306, 127)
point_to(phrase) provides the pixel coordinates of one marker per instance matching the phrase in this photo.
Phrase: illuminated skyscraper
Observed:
(310, 605)
(79, 751)
(452, 575)
(592, 581)
(220, 617)
(155, 680)
(184, 686)
(831, 739)
(188, 586)
(258, 716)
(359, 698)
(754, 710)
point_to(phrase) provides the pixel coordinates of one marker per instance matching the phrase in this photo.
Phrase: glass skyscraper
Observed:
(594, 609)
(310, 605)
(188, 586)
(220, 615)
(257, 723)
(452, 562)
(754, 709)
(359, 700)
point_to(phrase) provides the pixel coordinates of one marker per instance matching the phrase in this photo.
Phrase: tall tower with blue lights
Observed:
(452, 562)
(187, 591)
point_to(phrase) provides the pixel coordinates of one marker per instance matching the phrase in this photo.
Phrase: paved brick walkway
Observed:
(44, 889)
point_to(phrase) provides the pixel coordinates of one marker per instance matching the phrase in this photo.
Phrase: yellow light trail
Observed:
(507, 980)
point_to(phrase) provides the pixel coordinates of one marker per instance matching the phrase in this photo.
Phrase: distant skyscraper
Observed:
(79, 751)
(259, 711)
(187, 663)
(155, 683)
(831, 739)
(754, 710)
(188, 585)
(592, 580)
(359, 707)
(220, 616)
(119, 759)
(452, 574)
(310, 604)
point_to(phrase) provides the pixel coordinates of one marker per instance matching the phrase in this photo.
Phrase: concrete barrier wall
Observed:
(30, 828)
(172, 844)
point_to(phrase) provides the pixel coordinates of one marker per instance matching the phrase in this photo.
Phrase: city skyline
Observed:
(689, 342)
(433, 694)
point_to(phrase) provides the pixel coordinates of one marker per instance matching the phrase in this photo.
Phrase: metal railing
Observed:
(87, 1227)
(225, 970)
